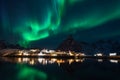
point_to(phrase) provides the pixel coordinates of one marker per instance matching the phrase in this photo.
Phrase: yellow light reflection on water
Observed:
(43, 61)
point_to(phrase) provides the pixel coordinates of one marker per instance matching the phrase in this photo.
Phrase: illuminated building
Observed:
(98, 54)
(113, 54)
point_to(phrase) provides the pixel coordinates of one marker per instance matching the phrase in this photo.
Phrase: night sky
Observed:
(45, 23)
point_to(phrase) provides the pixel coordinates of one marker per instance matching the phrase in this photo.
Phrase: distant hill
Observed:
(69, 44)
(100, 46)
(4, 45)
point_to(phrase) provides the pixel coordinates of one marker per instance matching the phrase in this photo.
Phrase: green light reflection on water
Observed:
(28, 73)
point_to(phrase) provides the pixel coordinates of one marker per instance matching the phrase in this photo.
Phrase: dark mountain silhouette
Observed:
(2, 44)
(101, 46)
(69, 44)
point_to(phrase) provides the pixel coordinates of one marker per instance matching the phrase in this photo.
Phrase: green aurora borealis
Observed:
(33, 20)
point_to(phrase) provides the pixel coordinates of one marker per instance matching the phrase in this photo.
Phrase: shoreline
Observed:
(67, 57)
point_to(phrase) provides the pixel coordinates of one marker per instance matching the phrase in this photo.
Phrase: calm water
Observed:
(58, 69)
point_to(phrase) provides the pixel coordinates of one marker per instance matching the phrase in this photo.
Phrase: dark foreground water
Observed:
(58, 69)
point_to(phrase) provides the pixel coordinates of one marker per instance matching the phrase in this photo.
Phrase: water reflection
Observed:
(59, 69)
(29, 73)
(43, 61)
(114, 61)
(110, 60)
(100, 60)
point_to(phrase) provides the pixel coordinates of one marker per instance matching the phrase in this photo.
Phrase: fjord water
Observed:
(59, 69)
